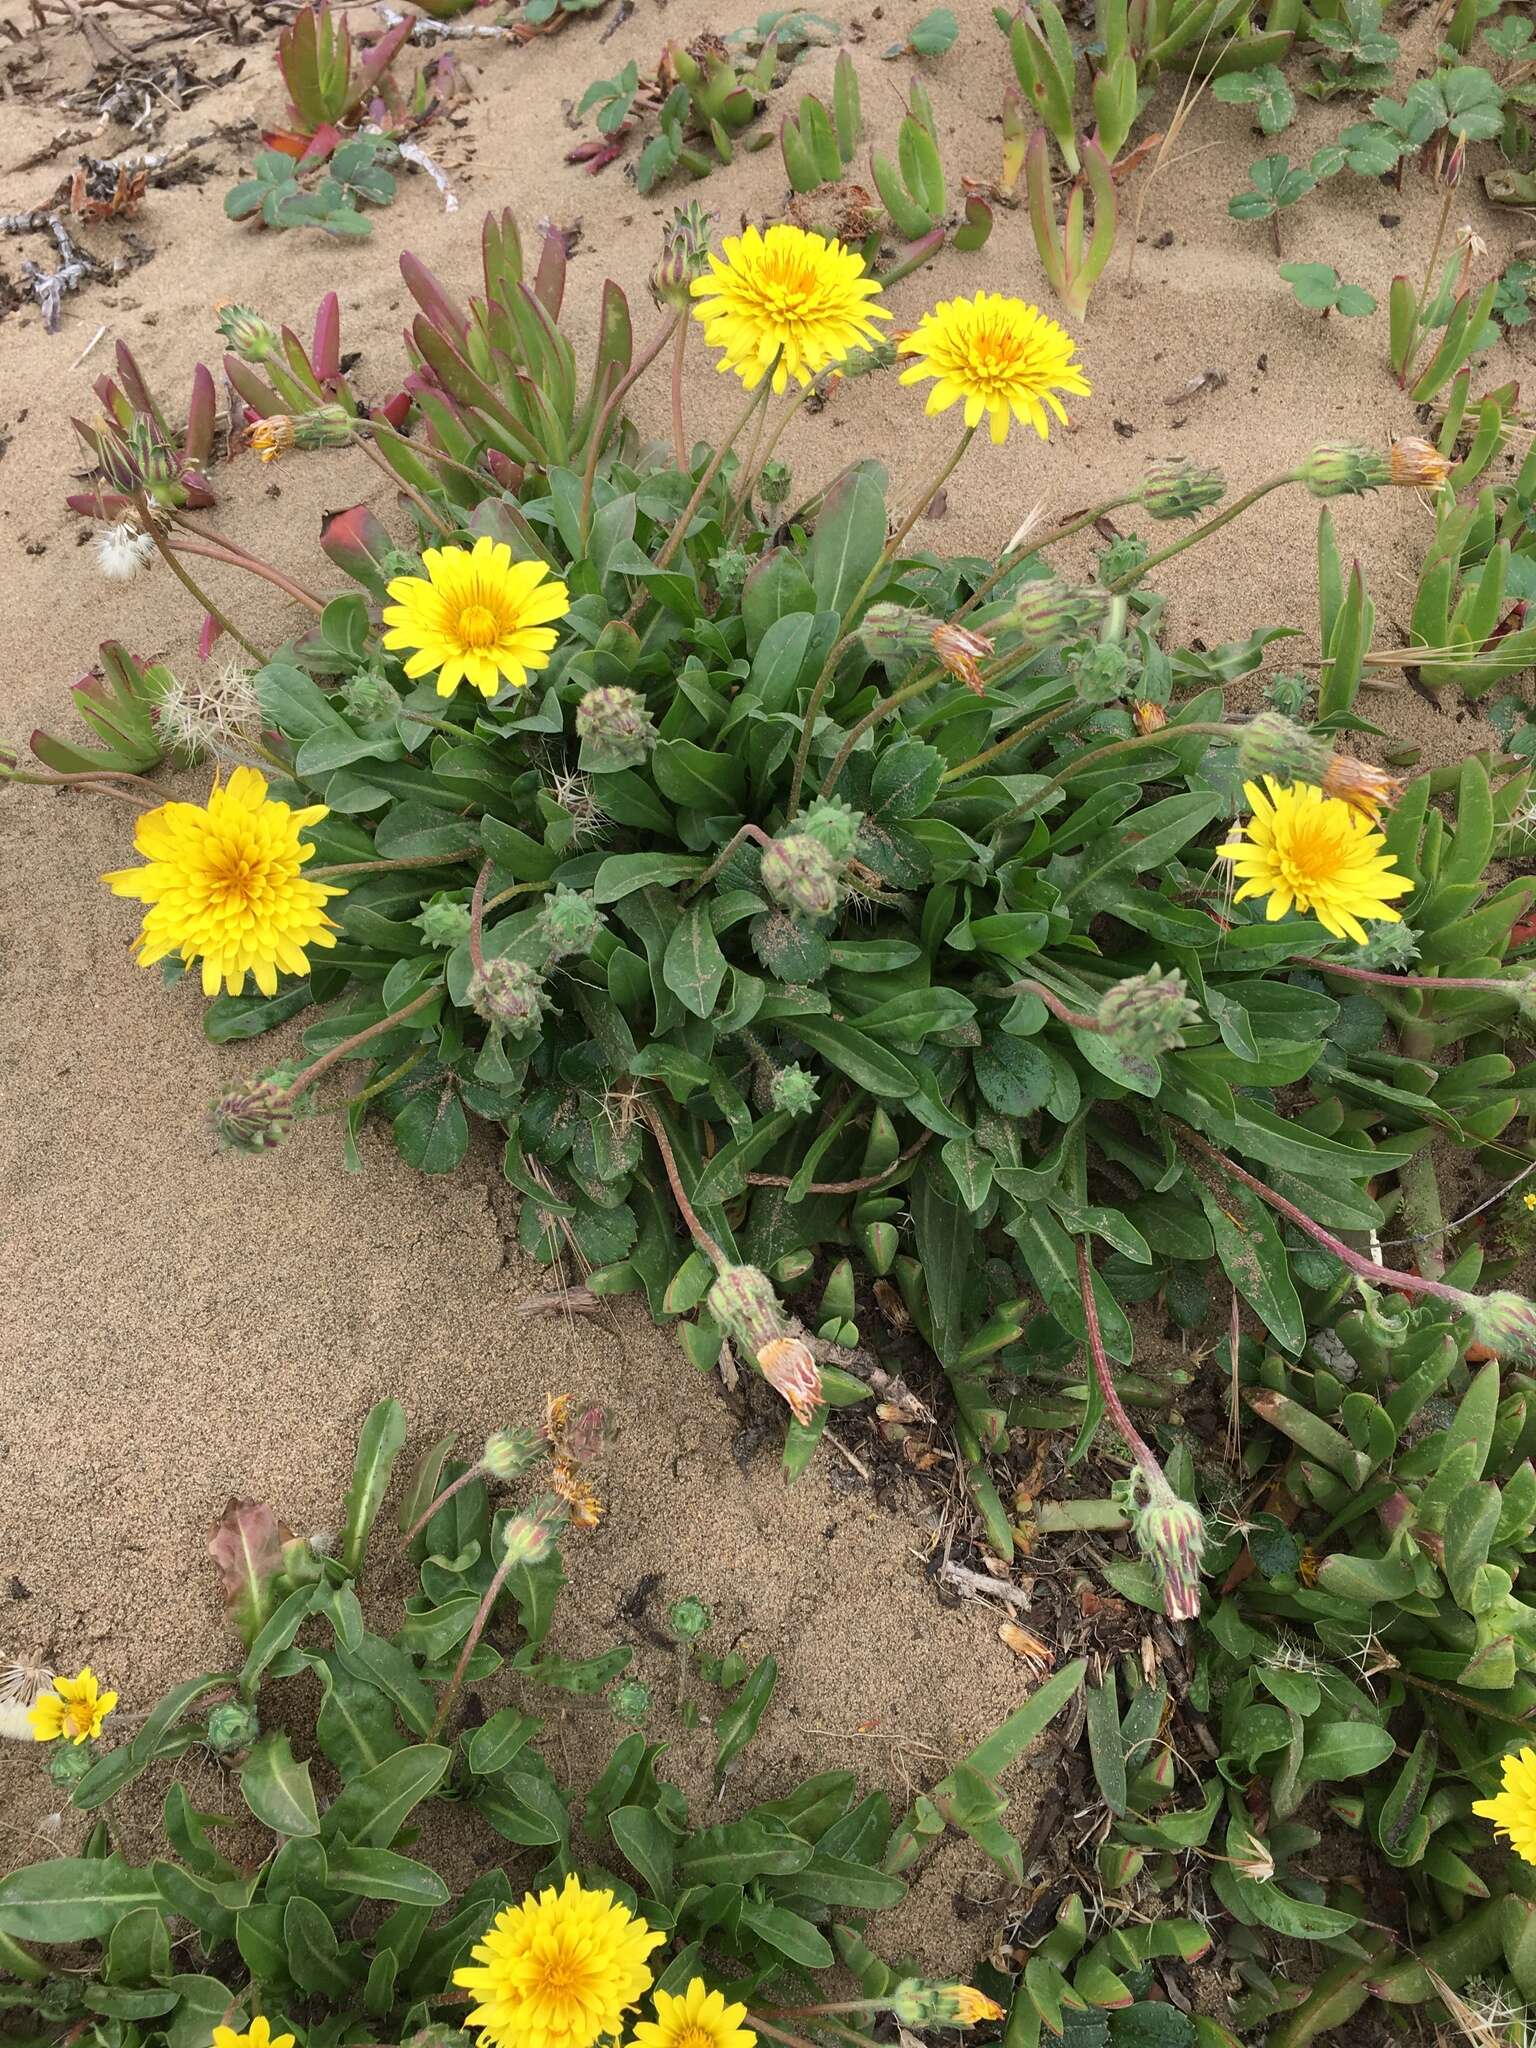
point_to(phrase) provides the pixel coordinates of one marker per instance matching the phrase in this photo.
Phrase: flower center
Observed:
(696, 2037)
(78, 1715)
(479, 626)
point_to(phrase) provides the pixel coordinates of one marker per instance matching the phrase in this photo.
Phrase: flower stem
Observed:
(312, 1073)
(761, 462)
(148, 523)
(476, 1631)
(919, 506)
(1141, 1450)
(465, 1478)
(701, 1236)
(871, 718)
(1058, 1009)
(812, 712)
(378, 867)
(1223, 518)
(1038, 547)
(616, 396)
(219, 551)
(679, 429)
(679, 531)
(429, 512)
(1209, 728)
(476, 917)
(1033, 730)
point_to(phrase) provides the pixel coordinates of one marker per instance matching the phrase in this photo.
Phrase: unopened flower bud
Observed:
(788, 1367)
(327, 426)
(1389, 947)
(1274, 745)
(794, 1090)
(729, 569)
(614, 728)
(1171, 1535)
(68, 1762)
(688, 1618)
(773, 481)
(834, 824)
(1100, 673)
(251, 338)
(1055, 611)
(864, 362)
(509, 993)
(919, 2004)
(443, 922)
(371, 700)
(684, 256)
(1344, 469)
(801, 876)
(888, 632)
(569, 923)
(630, 1702)
(528, 1538)
(1148, 1013)
(232, 1728)
(508, 1453)
(1504, 1324)
(1176, 488)
(742, 1300)
(1361, 783)
(254, 1119)
(1415, 463)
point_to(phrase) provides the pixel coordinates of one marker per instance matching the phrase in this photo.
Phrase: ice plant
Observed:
(1316, 852)
(997, 356)
(787, 301)
(75, 1708)
(699, 2019)
(224, 886)
(476, 616)
(1513, 1809)
(560, 1970)
(258, 2035)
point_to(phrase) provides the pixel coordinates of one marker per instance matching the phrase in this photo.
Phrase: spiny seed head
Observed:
(688, 1618)
(743, 1302)
(1171, 1533)
(569, 923)
(528, 1538)
(1274, 745)
(1055, 611)
(630, 1702)
(917, 2003)
(794, 1090)
(248, 336)
(729, 569)
(232, 1728)
(801, 876)
(1503, 1323)
(509, 993)
(1344, 469)
(508, 1453)
(773, 481)
(1148, 1013)
(371, 700)
(1176, 488)
(254, 1119)
(834, 824)
(614, 728)
(1101, 673)
(444, 922)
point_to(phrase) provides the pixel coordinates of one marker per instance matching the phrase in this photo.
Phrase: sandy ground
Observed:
(174, 1325)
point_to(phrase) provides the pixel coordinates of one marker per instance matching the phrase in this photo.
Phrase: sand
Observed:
(176, 1325)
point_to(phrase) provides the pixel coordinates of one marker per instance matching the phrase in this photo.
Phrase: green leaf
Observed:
(864, 1060)
(740, 1852)
(849, 536)
(789, 1934)
(645, 1841)
(432, 1131)
(373, 1808)
(1252, 1255)
(381, 1874)
(693, 966)
(622, 874)
(735, 1727)
(381, 1442)
(71, 1899)
(277, 1788)
(314, 1958)
(1344, 1749)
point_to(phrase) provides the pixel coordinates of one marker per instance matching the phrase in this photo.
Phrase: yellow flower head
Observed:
(260, 2035)
(788, 301)
(558, 1971)
(1001, 357)
(76, 1707)
(476, 615)
(1529, 1200)
(699, 2019)
(1513, 1812)
(224, 886)
(1317, 852)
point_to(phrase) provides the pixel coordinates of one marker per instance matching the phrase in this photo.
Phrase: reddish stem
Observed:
(1145, 1457)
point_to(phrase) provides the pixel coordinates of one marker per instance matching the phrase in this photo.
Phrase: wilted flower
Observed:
(1414, 462)
(1273, 744)
(569, 923)
(1149, 717)
(509, 993)
(1148, 1013)
(122, 551)
(1171, 1534)
(917, 2003)
(1176, 488)
(1342, 469)
(788, 1367)
(253, 1119)
(1361, 783)
(959, 649)
(580, 1496)
(794, 1090)
(614, 728)
(1504, 1324)
(801, 876)
(273, 436)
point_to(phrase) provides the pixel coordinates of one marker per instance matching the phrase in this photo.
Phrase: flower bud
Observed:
(371, 700)
(1171, 1534)
(1504, 1324)
(569, 923)
(1343, 469)
(630, 1702)
(327, 426)
(1101, 673)
(1176, 488)
(251, 338)
(614, 728)
(232, 1728)
(684, 256)
(1392, 948)
(788, 1367)
(773, 481)
(834, 824)
(508, 1453)
(68, 1762)
(1361, 783)
(864, 362)
(743, 1301)
(1148, 1013)
(794, 1090)
(443, 922)
(1417, 464)
(801, 876)
(688, 1618)
(890, 632)
(509, 993)
(919, 2004)
(1055, 611)
(1274, 745)
(729, 569)
(254, 1119)
(528, 1538)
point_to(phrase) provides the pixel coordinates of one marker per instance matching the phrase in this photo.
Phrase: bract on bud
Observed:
(1148, 1013)
(742, 1300)
(630, 1702)
(1504, 1324)
(251, 338)
(509, 993)
(1176, 488)
(1054, 611)
(773, 481)
(688, 1618)
(917, 2003)
(834, 824)
(1344, 469)
(614, 728)
(684, 256)
(794, 1090)
(1272, 744)
(528, 1538)
(888, 632)
(569, 923)
(801, 876)
(443, 922)
(327, 426)
(254, 1119)
(232, 1728)
(1171, 1535)
(509, 1453)
(371, 699)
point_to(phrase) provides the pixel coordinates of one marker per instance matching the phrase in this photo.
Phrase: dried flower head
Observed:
(959, 650)
(582, 1501)
(1363, 784)
(509, 993)
(122, 551)
(23, 1681)
(1149, 717)
(788, 1367)
(1414, 463)
(218, 715)
(272, 437)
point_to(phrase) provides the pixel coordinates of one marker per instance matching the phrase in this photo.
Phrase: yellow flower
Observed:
(1001, 357)
(260, 2035)
(559, 1970)
(1530, 1201)
(76, 1707)
(476, 615)
(699, 2019)
(1513, 1812)
(1317, 852)
(224, 886)
(788, 301)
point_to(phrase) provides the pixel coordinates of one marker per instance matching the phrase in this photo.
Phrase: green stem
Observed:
(1223, 518)
(316, 1068)
(1035, 727)
(744, 496)
(442, 525)
(1037, 547)
(919, 506)
(812, 712)
(378, 867)
(206, 603)
(871, 718)
(1211, 728)
(679, 427)
(679, 532)
(616, 397)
